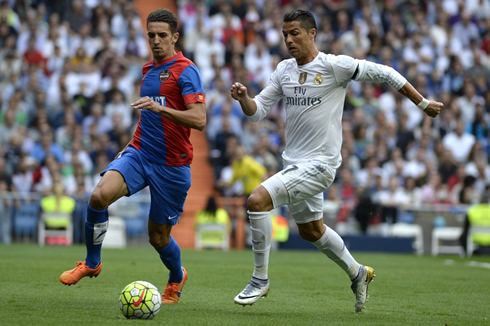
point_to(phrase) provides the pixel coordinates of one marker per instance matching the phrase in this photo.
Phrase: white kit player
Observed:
(313, 86)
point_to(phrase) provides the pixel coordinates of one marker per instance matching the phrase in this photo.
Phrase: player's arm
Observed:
(239, 93)
(347, 68)
(431, 108)
(257, 108)
(194, 117)
(370, 71)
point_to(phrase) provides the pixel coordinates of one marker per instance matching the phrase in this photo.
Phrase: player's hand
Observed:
(146, 103)
(238, 91)
(433, 109)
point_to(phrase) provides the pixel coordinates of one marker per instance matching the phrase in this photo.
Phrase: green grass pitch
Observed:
(306, 289)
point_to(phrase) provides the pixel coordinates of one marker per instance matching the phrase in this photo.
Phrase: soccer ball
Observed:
(140, 300)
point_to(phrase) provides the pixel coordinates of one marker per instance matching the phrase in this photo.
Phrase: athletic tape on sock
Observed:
(100, 230)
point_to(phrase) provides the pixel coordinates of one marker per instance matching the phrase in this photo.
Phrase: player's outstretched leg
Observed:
(258, 287)
(332, 245)
(95, 231)
(360, 286)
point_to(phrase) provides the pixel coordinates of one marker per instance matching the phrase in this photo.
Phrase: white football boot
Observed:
(254, 290)
(360, 286)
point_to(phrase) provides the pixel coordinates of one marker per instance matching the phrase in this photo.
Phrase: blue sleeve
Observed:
(190, 81)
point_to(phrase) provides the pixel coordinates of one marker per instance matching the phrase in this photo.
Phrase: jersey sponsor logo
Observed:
(164, 75)
(303, 101)
(318, 80)
(172, 217)
(302, 77)
(159, 100)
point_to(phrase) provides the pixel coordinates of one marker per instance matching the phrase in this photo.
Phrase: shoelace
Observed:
(78, 264)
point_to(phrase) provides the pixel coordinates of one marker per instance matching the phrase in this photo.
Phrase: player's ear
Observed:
(175, 37)
(312, 33)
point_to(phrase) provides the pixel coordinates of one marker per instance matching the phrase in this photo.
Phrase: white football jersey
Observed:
(314, 96)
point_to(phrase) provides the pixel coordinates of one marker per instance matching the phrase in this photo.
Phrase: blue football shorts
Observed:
(169, 185)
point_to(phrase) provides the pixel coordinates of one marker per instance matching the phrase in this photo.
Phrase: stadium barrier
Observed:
(19, 220)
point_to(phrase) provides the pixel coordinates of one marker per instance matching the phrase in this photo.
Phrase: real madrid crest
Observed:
(318, 79)
(302, 77)
(164, 75)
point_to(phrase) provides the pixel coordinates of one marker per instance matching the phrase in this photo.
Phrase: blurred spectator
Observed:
(8, 127)
(434, 191)
(246, 169)
(96, 123)
(478, 216)
(391, 199)
(23, 179)
(212, 214)
(459, 142)
(5, 213)
(215, 125)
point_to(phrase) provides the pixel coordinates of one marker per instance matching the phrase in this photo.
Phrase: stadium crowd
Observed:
(69, 69)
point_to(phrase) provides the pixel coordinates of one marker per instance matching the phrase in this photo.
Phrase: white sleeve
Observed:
(373, 72)
(269, 96)
(343, 68)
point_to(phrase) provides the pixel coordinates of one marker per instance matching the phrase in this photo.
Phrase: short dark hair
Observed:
(163, 16)
(306, 19)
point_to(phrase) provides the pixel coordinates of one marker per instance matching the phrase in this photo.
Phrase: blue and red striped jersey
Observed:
(173, 83)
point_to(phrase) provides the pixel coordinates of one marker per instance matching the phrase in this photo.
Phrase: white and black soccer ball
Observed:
(140, 300)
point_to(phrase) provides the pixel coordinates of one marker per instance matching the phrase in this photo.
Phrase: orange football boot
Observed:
(174, 290)
(80, 271)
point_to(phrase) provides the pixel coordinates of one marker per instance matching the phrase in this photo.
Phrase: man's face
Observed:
(161, 40)
(297, 39)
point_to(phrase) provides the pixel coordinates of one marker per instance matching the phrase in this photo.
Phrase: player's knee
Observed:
(158, 240)
(257, 202)
(98, 200)
(309, 232)
(310, 235)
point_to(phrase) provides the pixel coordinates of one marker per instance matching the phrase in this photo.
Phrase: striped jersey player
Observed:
(159, 155)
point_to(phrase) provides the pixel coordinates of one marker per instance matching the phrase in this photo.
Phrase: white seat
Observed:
(116, 233)
(441, 234)
(410, 230)
(470, 245)
(212, 236)
(63, 232)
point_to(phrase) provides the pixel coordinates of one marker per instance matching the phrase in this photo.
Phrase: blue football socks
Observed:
(95, 231)
(170, 256)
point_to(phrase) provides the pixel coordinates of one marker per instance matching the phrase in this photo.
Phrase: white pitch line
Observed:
(478, 264)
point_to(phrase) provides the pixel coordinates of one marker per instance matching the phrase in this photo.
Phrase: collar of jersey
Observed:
(159, 63)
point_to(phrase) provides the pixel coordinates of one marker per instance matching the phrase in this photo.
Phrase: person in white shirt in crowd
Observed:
(467, 103)
(465, 30)
(459, 142)
(258, 60)
(391, 199)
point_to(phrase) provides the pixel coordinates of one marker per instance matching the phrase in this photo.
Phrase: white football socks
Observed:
(261, 226)
(332, 245)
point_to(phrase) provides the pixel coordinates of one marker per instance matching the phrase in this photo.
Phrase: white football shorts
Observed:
(301, 187)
